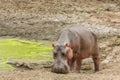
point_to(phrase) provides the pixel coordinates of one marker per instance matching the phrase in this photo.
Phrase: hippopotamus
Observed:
(74, 44)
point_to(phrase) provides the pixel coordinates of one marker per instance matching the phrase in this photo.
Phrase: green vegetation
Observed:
(117, 42)
(23, 49)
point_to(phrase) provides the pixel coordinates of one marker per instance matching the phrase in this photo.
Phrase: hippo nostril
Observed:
(66, 68)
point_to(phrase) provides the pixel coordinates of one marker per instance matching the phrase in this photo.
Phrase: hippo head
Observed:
(61, 55)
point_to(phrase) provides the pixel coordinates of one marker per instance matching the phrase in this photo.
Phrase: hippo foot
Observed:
(77, 71)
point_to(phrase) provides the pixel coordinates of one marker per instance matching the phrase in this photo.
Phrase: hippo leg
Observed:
(96, 61)
(71, 64)
(78, 64)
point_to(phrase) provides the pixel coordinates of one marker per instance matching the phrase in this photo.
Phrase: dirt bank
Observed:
(42, 19)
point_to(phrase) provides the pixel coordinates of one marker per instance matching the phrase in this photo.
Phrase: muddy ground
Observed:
(42, 19)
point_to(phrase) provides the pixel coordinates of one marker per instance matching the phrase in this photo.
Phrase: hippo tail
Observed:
(95, 37)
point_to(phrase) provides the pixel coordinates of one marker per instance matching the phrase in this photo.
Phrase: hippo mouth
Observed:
(60, 68)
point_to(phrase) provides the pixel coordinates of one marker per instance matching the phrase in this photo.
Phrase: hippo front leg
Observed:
(71, 64)
(78, 64)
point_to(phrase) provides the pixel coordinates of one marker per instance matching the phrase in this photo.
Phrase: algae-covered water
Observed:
(13, 48)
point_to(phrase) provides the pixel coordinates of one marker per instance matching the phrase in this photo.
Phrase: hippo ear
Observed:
(53, 45)
(67, 45)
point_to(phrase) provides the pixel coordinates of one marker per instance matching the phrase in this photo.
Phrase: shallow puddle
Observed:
(13, 48)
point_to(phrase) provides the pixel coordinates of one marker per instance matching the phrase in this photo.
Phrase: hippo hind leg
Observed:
(96, 61)
(95, 55)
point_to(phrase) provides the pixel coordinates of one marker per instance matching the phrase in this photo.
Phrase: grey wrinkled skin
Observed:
(60, 67)
(60, 63)
(83, 44)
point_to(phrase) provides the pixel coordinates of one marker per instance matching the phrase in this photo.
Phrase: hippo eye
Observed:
(55, 54)
(63, 54)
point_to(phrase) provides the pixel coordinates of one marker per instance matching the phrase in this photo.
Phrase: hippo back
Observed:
(86, 39)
